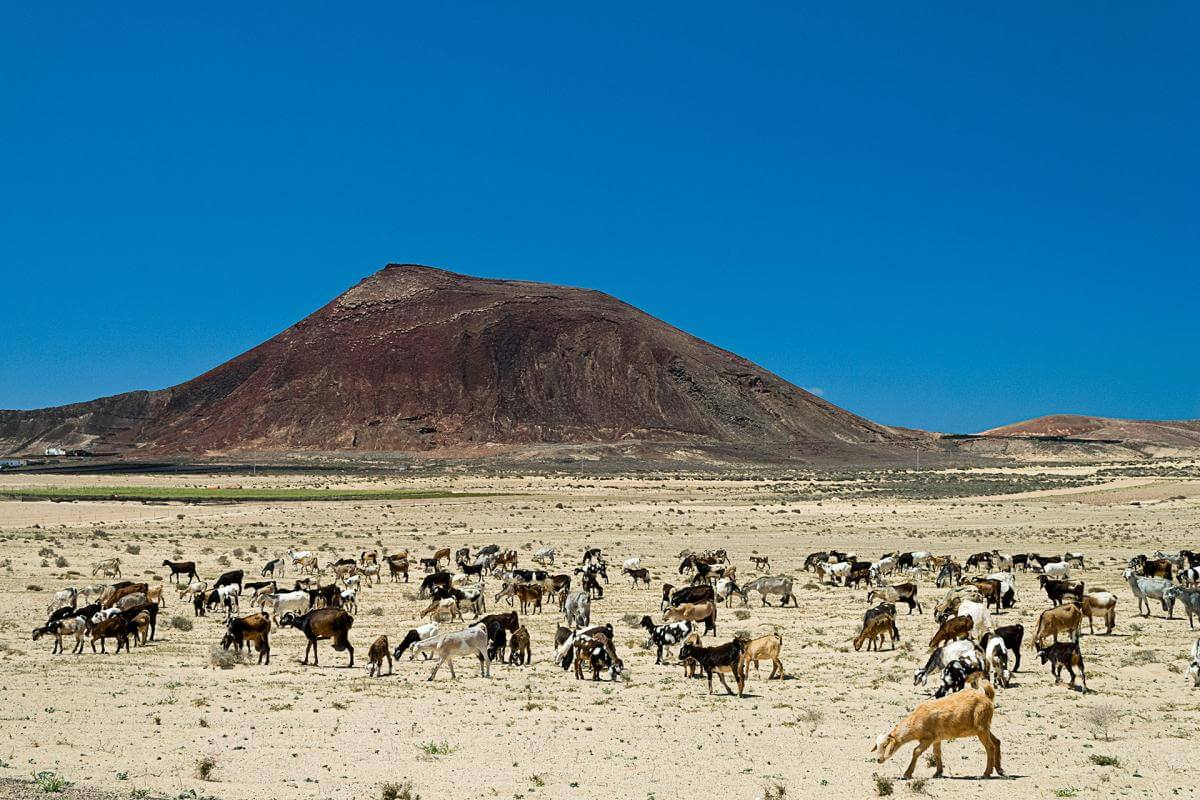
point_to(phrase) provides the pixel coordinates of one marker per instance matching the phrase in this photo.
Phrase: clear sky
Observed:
(941, 215)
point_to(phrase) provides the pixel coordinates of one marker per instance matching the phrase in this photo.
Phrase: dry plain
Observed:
(136, 725)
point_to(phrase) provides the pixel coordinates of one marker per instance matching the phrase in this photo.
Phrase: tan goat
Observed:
(956, 716)
(705, 612)
(762, 649)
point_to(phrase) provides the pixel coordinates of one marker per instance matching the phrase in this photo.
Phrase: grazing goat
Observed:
(705, 612)
(564, 642)
(70, 626)
(764, 648)
(951, 574)
(597, 651)
(962, 714)
(874, 628)
(963, 648)
(726, 588)
(761, 562)
(543, 555)
(1144, 588)
(109, 567)
(495, 625)
(780, 585)
(414, 636)
(376, 655)
(274, 568)
(1066, 619)
(665, 635)
(1064, 654)
(722, 659)
(955, 676)
(437, 608)
(1012, 636)
(253, 628)
(322, 623)
(461, 643)
(1191, 602)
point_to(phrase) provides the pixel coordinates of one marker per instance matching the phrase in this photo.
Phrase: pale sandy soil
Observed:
(142, 720)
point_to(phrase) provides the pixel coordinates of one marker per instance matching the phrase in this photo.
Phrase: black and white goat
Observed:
(665, 635)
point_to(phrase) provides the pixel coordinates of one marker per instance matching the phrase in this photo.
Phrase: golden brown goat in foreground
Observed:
(957, 716)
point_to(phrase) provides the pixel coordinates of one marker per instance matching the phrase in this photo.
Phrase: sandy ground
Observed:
(118, 725)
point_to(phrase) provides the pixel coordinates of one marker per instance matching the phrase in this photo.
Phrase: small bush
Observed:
(1104, 761)
(205, 767)
(61, 562)
(51, 782)
(223, 561)
(742, 613)
(918, 785)
(1100, 719)
(398, 791)
(133, 549)
(180, 623)
(883, 786)
(442, 748)
(222, 658)
(33, 587)
(774, 791)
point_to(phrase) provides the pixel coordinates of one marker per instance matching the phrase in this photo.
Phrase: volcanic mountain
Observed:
(416, 359)
(1184, 434)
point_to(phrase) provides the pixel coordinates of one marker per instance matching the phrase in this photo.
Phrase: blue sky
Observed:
(940, 215)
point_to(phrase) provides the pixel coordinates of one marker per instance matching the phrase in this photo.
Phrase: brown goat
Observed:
(1067, 618)
(322, 623)
(954, 628)
(113, 595)
(518, 647)
(874, 629)
(378, 652)
(253, 628)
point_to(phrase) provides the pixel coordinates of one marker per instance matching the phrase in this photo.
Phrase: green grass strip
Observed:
(228, 495)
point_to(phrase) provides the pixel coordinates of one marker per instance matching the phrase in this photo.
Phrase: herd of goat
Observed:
(968, 655)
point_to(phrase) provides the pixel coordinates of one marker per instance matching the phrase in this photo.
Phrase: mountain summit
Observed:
(417, 358)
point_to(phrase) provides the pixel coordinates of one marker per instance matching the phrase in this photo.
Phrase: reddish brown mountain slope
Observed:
(415, 358)
(1167, 433)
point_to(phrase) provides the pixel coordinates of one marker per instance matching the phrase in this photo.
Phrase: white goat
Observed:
(469, 641)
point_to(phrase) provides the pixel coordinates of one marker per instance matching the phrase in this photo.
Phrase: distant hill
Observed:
(1182, 434)
(420, 359)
